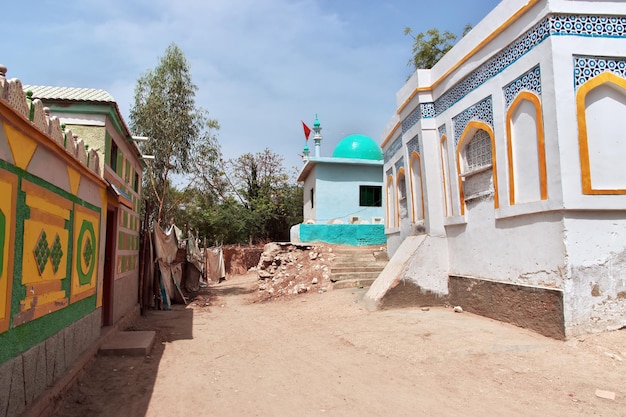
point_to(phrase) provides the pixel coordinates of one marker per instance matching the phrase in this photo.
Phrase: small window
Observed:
(312, 198)
(136, 183)
(478, 151)
(370, 196)
(114, 152)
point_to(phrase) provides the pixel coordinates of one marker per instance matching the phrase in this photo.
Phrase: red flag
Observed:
(307, 131)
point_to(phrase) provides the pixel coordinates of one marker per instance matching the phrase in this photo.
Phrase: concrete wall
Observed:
(343, 234)
(545, 82)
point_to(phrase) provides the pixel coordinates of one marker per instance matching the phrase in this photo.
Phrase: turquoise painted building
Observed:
(343, 193)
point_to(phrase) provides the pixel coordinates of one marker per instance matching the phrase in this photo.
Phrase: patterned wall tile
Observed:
(481, 111)
(587, 67)
(414, 145)
(442, 130)
(529, 81)
(393, 148)
(399, 164)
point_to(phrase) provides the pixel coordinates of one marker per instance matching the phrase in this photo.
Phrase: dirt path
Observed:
(325, 355)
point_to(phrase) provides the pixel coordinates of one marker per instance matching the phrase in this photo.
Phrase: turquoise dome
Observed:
(358, 147)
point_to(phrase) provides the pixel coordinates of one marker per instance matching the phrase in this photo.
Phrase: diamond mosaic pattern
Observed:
(88, 252)
(56, 254)
(42, 252)
(529, 81)
(587, 67)
(481, 111)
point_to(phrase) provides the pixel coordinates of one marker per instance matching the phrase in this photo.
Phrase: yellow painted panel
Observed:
(85, 268)
(47, 206)
(40, 300)
(22, 147)
(74, 179)
(32, 233)
(8, 191)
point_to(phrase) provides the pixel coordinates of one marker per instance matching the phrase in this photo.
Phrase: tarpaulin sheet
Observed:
(214, 261)
(171, 278)
(165, 244)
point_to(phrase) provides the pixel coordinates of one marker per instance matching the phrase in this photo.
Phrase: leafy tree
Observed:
(430, 46)
(165, 111)
(272, 202)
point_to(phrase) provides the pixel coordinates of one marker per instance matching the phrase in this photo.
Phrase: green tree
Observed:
(430, 46)
(272, 200)
(165, 111)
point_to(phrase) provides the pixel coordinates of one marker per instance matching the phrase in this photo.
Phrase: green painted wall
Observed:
(344, 234)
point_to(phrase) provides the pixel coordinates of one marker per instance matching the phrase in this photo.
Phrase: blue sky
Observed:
(261, 66)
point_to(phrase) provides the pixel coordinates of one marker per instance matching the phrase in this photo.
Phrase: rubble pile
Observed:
(289, 269)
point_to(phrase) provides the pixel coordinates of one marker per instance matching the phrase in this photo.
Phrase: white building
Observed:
(505, 174)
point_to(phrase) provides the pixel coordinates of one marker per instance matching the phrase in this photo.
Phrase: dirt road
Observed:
(323, 354)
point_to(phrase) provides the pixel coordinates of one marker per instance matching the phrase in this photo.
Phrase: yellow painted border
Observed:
(414, 156)
(8, 202)
(389, 201)
(583, 144)
(541, 147)
(462, 61)
(469, 133)
(469, 55)
(443, 143)
(399, 175)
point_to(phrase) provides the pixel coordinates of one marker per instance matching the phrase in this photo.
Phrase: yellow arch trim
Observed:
(416, 156)
(468, 133)
(387, 199)
(400, 174)
(583, 144)
(541, 147)
(443, 141)
(469, 55)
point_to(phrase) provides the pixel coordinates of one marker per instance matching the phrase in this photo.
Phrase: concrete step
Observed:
(353, 283)
(354, 275)
(133, 343)
(357, 268)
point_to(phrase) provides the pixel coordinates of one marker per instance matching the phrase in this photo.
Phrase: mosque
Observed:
(342, 201)
(504, 179)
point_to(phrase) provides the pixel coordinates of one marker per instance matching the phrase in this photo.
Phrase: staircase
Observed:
(357, 266)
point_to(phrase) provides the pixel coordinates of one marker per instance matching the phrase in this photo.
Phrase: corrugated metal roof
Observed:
(69, 93)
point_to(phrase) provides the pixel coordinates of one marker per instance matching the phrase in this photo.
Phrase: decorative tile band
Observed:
(423, 111)
(529, 81)
(428, 110)
(587, 67)
(557, 24)
(414, 145)
(482, 111)
(412, 119)
(442, 131)
(399, 164)
(395, 147)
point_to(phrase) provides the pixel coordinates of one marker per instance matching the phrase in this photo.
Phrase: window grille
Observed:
(478, 151)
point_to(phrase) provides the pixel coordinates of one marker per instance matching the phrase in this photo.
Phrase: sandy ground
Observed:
(323, 354)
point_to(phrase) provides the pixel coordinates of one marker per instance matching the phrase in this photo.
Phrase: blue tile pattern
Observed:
(481, 111)
(585, 25)
(389, 173)
(412, 119)
(428, 110)
(414, 145)
(587, 67)
(399, 164)
(442, 131)
(529, 81)
(393, 149)
(553, 25)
